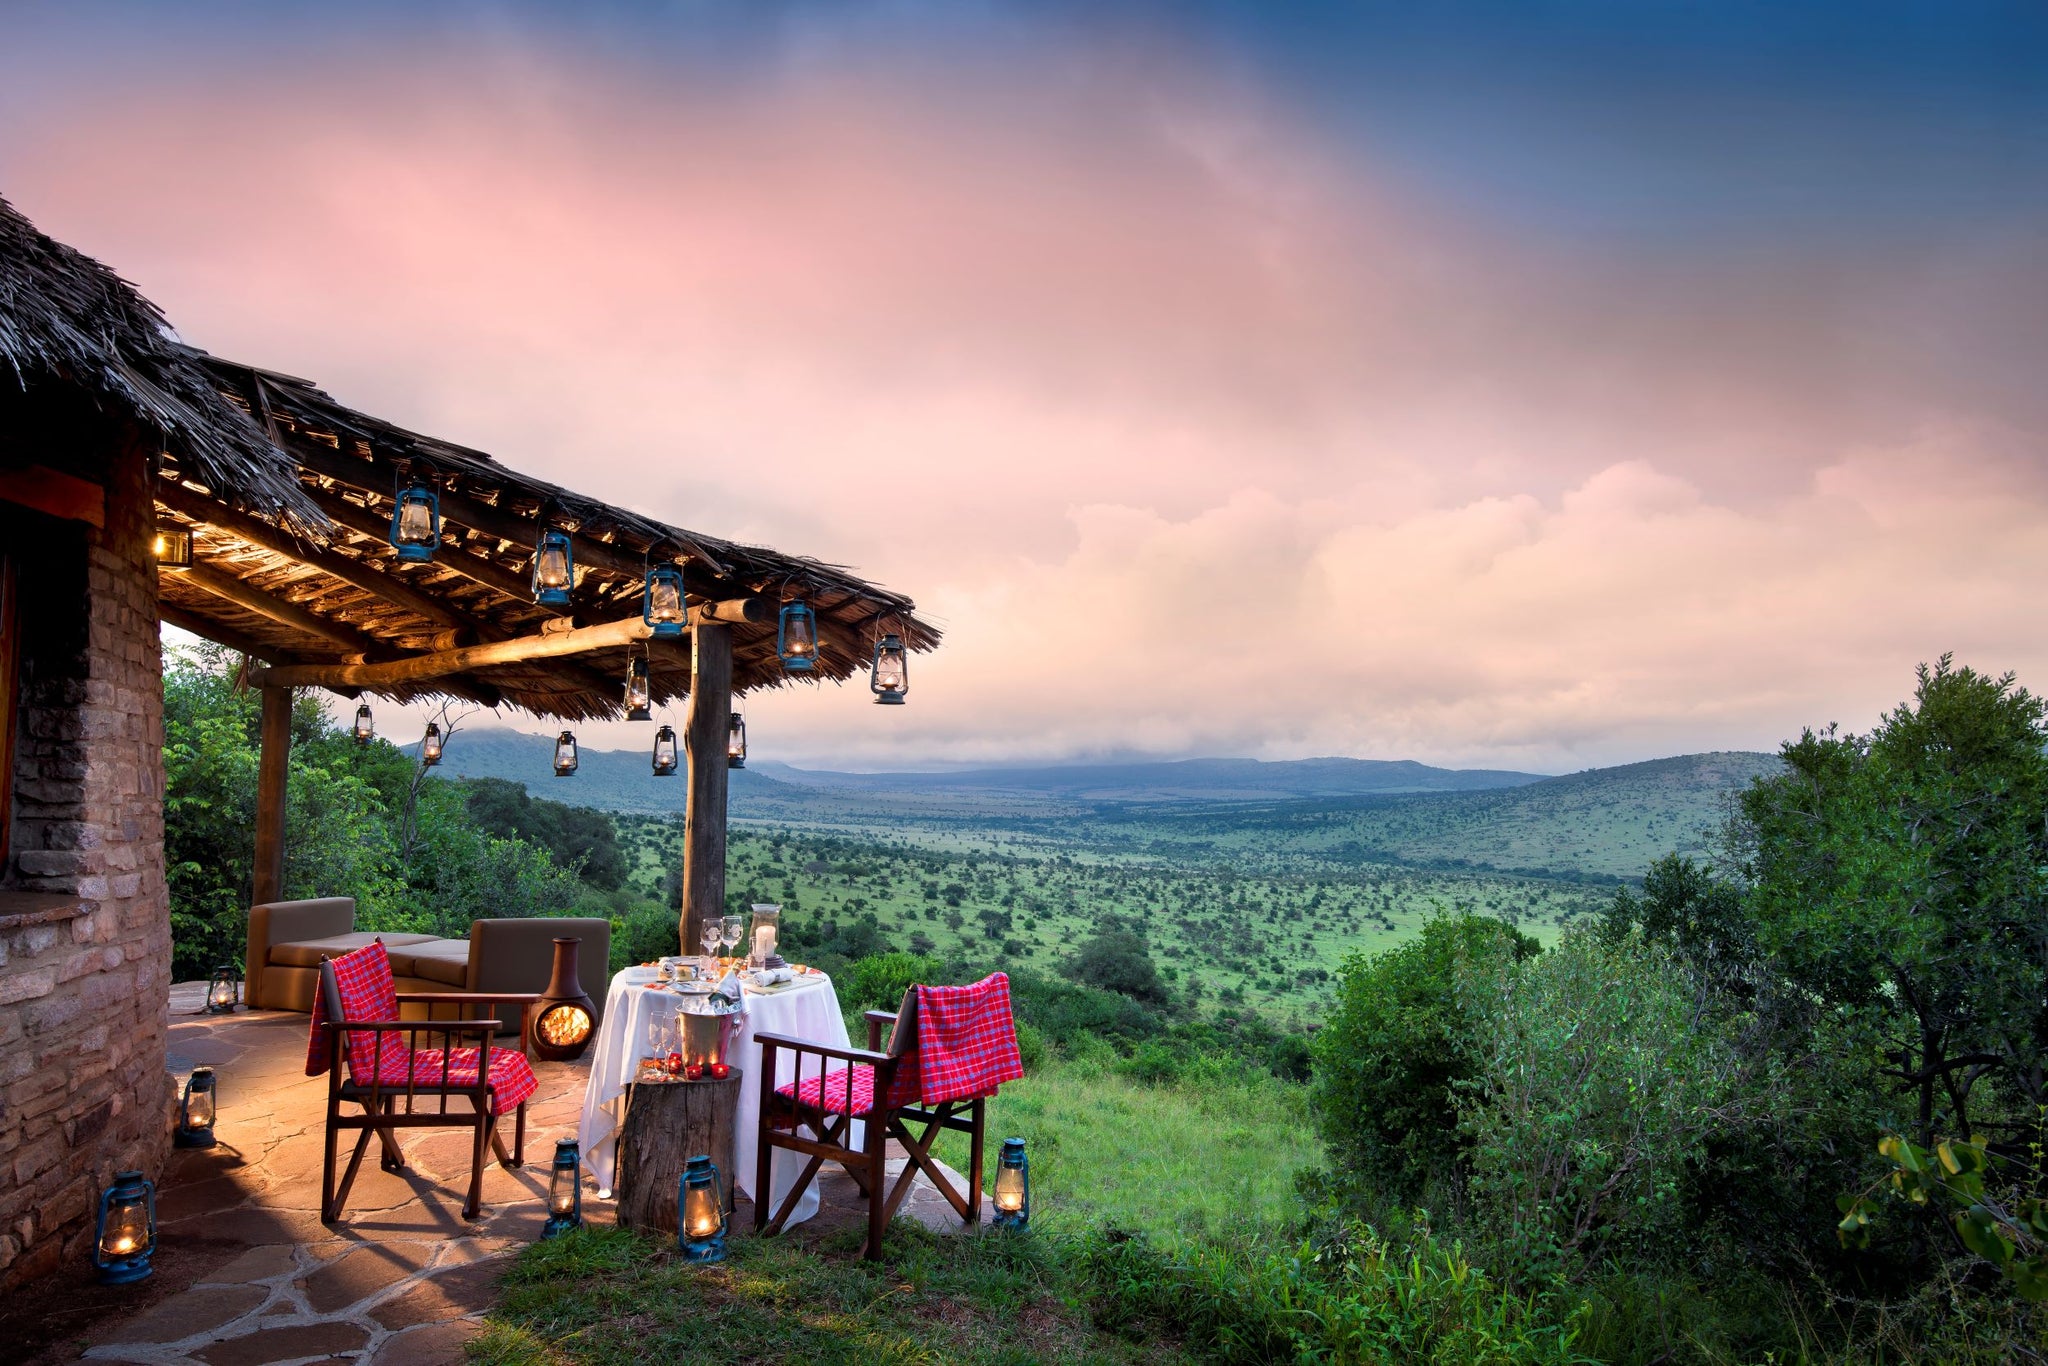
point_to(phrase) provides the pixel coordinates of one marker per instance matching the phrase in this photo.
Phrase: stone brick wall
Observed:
(85, 940)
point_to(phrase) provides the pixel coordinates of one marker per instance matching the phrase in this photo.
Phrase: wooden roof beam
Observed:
(419, 668)
(284, 613)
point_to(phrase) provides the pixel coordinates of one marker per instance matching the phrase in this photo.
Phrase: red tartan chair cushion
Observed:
(368, 994)
(831, 1093)
(512, 1079)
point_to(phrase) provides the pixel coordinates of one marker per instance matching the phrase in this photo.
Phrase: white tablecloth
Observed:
(809, 1012)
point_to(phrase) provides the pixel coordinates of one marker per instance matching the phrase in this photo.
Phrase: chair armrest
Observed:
(860, 1055)
(876, 1019)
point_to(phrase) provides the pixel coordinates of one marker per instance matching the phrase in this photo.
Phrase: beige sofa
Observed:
(287, 940)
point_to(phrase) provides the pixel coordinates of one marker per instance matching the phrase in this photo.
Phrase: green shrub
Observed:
(878, 983)
(644, 934)
(1117, 960)
(1395, 1048)
(1154, 1064)
(1031, 1047)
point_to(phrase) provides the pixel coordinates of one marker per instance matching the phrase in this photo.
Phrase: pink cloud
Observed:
(1198, 432)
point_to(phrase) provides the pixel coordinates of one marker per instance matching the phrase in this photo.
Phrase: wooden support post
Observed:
(272, 766)
(704, 739)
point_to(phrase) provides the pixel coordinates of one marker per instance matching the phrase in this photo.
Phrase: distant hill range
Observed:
(1601, 824)
(1177, 780)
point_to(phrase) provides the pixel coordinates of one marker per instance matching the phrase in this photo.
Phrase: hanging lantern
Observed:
(700, 1212)
(736, 742)
(196, 1109)
(221, 990)
(416, 522)
(890, 677)
(126, 1238)
(554, 568)
(665, 752)
(364, 728)
(796, 637)
(1013, 1187)
(565, 1191)
(639, 691)
(661, 601)
(565, 754)
(430, 745)
(172, 546)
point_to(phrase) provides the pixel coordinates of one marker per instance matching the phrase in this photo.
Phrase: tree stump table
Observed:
(668, 1123)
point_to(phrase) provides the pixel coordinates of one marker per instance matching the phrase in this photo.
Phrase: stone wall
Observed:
(85, 950)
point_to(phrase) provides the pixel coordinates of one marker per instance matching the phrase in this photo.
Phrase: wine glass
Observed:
(729, 931)
(712, 931)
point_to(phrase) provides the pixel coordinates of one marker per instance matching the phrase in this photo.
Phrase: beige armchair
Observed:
(288, 939)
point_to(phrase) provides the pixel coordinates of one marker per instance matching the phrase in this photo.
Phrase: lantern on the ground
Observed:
(565, 1018)
(430, 745)
(196, 1110)
(565, 754)
(1013, 1186)
(890, 677)
(126, 1237)
(554, 568)
(700, 1212)
(172, 546)
(796, 637)
(761, 934)
(639, 691)
(221, 990)
(565, 1191)
(665, 752)
(736, 741)
(661, 601)
(364, 728)
(416, 522)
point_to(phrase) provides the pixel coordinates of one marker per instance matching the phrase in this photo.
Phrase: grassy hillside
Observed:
(1601, 824)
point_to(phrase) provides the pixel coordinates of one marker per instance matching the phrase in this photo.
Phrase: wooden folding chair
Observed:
(880, 1090)
(399, 1085)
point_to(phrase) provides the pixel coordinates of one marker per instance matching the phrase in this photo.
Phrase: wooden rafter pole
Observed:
(221, 635)
(440, 663)
(704, 740)
(269, 605)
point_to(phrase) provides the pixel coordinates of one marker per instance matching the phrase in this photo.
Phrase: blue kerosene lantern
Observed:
(796, 637)
(127, 1230)
(565, 1191)
(554, 568)
(416, 522)
(1013, 1187)
(661, 601)
(700, 1212)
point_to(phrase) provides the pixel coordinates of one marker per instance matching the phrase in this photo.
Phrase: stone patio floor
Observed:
(246, 1274)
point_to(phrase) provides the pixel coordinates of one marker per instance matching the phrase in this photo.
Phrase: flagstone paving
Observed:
(247, 1275)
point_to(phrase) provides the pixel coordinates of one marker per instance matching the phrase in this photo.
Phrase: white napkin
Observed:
(730, 986)
(768, 977)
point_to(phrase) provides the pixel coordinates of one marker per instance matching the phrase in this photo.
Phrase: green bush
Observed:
(1396, 1046)
(1117, 960)
(878, 983)
(1154, 1064)
(1031, 1048)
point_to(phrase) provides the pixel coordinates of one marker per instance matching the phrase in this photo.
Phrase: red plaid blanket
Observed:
(966, 1040)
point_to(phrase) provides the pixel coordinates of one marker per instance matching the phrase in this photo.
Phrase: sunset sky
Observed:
(1409, 381)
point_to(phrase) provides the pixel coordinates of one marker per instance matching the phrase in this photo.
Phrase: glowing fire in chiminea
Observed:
(564, 1026)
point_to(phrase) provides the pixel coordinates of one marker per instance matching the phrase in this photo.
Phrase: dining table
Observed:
(638, 1003)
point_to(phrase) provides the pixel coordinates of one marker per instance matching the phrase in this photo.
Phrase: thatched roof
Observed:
(289, 496)
(65, 319)
(352, 598)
